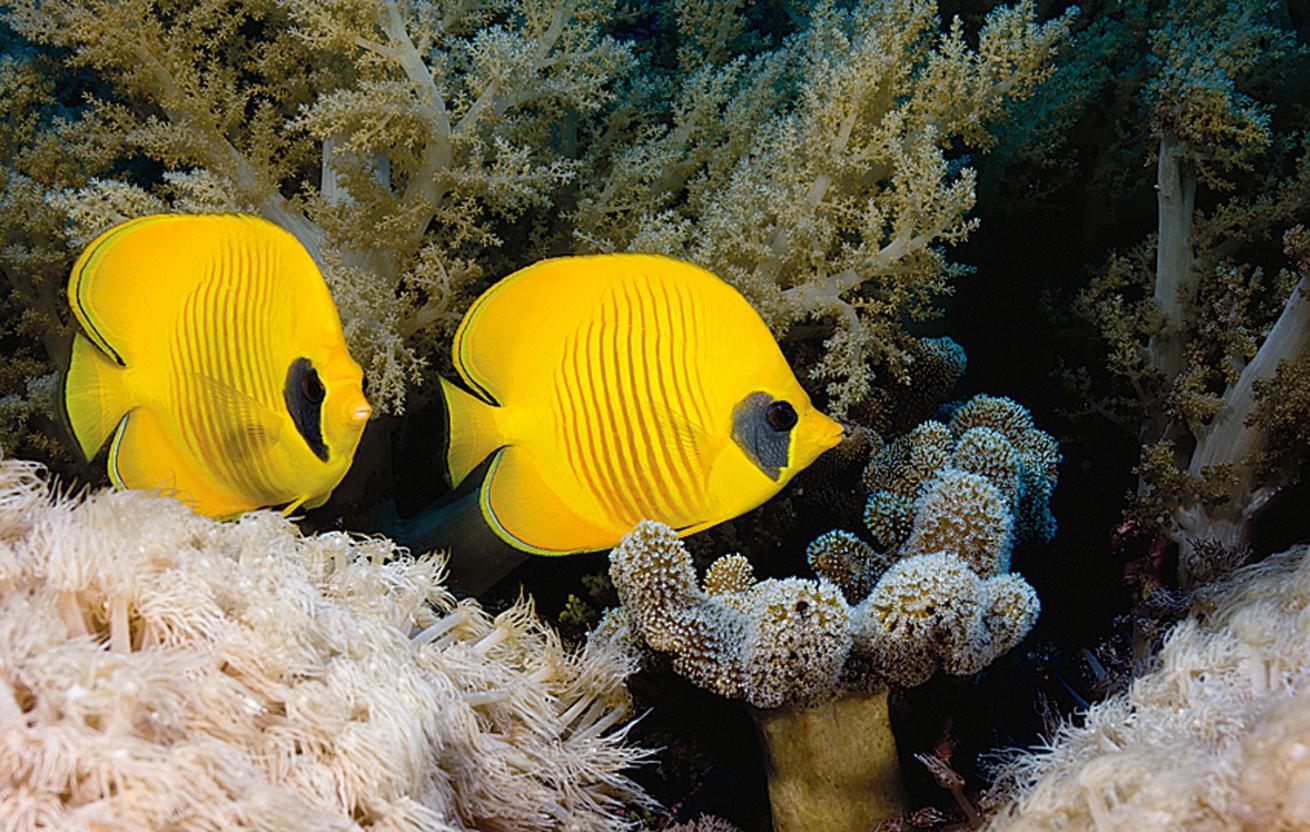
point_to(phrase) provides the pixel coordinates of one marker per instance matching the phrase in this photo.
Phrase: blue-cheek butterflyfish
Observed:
(211, 350)
(609, 389)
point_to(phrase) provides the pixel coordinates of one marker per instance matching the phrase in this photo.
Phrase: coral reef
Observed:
(816, 178)
(939, 598)
(1213, 738)
(419, 149)
(159, 670)
(394, 139)
(1198, 320)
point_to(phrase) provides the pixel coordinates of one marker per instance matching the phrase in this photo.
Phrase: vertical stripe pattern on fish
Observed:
(212, 350)
(617, 388)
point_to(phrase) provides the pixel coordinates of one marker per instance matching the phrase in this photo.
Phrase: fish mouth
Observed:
(833, 435)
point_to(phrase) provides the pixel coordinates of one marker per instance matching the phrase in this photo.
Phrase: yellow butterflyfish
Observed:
(211, 350)
(616, 388)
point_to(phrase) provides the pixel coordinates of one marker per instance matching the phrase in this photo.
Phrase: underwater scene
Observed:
(705, 416)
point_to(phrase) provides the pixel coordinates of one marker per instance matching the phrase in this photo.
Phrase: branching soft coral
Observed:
(1199, 319)
(159, 670)
(415, 146)
(390, 137)
(816, 177)
(815, 658)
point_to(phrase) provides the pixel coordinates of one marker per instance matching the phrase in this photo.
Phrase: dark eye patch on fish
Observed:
(304, 394)
(761, 427)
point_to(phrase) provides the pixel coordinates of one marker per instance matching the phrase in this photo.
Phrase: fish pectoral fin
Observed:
(522, 508)
(142, 456)
(247, 424)
(679, 431)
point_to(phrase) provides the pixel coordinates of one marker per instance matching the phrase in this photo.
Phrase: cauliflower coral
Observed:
(815, 658)
(162, 671)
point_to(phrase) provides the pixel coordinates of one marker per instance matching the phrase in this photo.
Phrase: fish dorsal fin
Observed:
(128, 285)
(142, 456)
(244, 422)
(522, 508)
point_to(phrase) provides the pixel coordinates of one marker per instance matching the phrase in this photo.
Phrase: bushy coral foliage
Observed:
(1197, 318)
(815, 177)
(1214, 738)
(419, 149)
(159, 670)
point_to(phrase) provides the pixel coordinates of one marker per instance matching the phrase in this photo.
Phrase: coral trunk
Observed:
(832, 767)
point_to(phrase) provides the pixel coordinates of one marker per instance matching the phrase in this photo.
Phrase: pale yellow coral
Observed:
(910, 460)
(966, 515)
(889, 518)
(932, 611)
(728, 575)
(391, 138)
(836, 205)
(912, 614)
(986, 452)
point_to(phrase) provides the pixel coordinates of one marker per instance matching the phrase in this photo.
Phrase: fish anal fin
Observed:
(523, 510)
(143, 457)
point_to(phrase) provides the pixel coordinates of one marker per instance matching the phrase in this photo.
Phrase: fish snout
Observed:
(354, 410)
(829, 431)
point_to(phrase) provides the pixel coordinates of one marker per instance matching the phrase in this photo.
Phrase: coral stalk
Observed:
(1175, 192)
(1233, 439)
(832, 766)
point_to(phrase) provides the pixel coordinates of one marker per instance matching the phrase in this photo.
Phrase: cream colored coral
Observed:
(159, 670)
(931, 612)
(1012, 420)
(729, 574)
(889, 518)
(964, 514)
(847, 561)
(1217, 737)
(988, 453)
(789, 642)
(775, 642)
(911, 460)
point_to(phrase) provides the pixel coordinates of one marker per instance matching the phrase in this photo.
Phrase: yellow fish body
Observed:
(211, 349)
(616, 388)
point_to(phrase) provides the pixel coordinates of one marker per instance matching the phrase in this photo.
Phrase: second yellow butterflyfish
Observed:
(212, 351)
(616, 388)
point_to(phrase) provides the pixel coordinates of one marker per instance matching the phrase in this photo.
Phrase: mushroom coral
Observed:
(815, 658)
(160, 670)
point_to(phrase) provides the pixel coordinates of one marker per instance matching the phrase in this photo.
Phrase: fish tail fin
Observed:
(94, 395)
(473, 432)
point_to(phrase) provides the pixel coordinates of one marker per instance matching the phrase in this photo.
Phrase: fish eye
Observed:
(781, 416)
(311, 388)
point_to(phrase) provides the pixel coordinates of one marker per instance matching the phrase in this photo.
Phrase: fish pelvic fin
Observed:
(473, 431)
(94, 395)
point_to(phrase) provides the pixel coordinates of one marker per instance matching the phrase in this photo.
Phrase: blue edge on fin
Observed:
(478, 557)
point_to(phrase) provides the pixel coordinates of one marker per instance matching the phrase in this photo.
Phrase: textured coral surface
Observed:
(162, 671)
(1216, 737)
